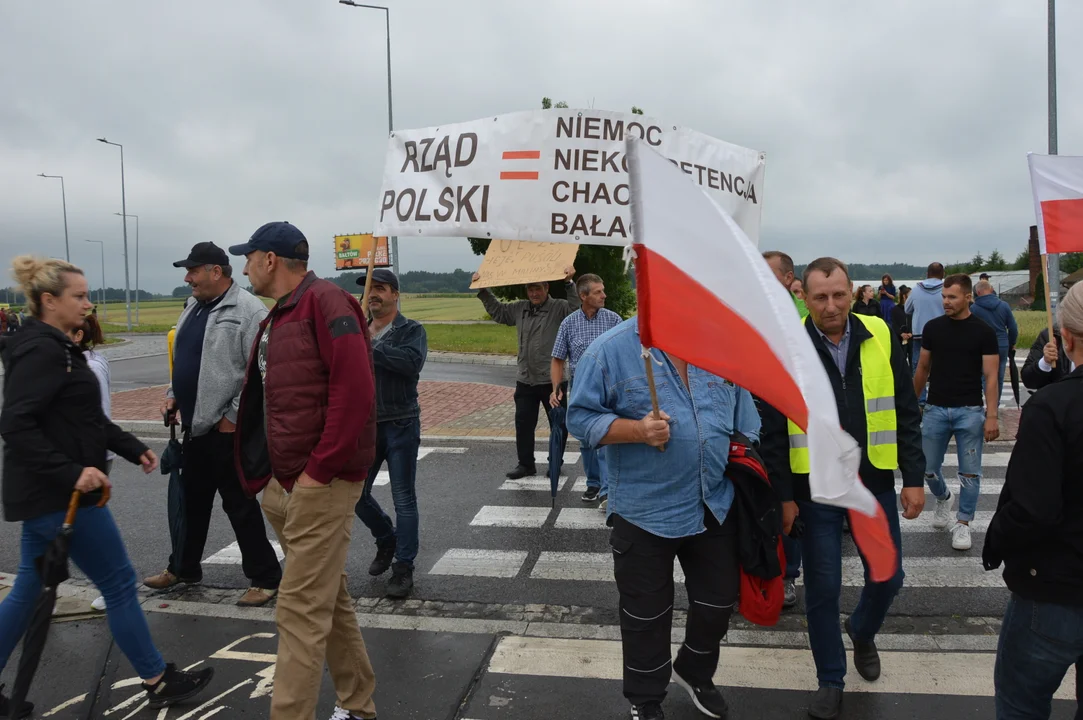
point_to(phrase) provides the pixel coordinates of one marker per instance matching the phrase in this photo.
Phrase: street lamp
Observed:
(136, 266)
(105, 308)
(124, 219)
(390, 113)
(64, 200)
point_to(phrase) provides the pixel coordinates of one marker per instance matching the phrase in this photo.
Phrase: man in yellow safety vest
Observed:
(877, 406)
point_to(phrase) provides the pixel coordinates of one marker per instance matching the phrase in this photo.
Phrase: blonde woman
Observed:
(55, 441)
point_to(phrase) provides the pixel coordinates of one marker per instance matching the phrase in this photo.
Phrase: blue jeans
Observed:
(397, 442)
(792, 548)
(822, 548)
(98, 550)
(967, 424)
(594, 466)
(1038, 643)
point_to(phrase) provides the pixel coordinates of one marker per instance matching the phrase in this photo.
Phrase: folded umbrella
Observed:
(558, 434)
(52, 567)
(172, 463)
(1013, 370)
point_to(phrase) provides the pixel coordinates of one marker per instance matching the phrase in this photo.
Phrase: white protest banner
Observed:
(518, 262)
(556, 175)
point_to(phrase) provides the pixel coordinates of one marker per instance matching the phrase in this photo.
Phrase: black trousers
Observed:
(527, 398)
(643, 566)
(209, 469)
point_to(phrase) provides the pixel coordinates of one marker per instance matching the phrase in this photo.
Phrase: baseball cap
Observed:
(281, 238)
(383, 276)
(204, 253)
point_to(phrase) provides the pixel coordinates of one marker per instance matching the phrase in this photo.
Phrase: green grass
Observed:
(490, 339)
(1030, 322)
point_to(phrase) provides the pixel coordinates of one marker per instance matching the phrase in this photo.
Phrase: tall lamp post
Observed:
(124, 219)
(105, 308)
(1053, 260)
(136, 266)
(64, 200)
(390, 113)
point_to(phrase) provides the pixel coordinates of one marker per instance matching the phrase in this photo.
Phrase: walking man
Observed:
(214, 335)
(399, 349)
(575, 335)
(875, 396)
(998, 315)
(665, 505)
(925, 303)
(957, 350)
(307, 431)
(537, 320)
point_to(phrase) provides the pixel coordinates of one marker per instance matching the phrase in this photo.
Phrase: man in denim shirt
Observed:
(668, 497)
(399, 349)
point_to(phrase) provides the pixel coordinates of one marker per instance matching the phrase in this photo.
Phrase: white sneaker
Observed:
(960, 536)
(942, 517)
(99, 604)
(343, 714)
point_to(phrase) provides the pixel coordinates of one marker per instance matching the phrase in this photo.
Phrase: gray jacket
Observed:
(537, 329)
(231, 333)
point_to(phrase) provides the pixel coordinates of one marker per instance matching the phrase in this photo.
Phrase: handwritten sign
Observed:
(518, 262)
(352, 251)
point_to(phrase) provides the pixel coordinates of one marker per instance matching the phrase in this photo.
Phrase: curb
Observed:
(471, 358)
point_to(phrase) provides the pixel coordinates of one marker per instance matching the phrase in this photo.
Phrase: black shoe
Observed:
(826, 703)
(177, 686)
(522, 471)
(707, 699)
(591, 494)
(384, 556)
(866, 657)
(648, 711)
(6, 711)
(402, 581)
(789, 593)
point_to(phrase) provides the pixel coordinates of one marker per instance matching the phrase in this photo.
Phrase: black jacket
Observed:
(774, 449)
(900, 321)
(870, 308)
(1037, 531)
(52, 423)
(850, 399)
(398, 357)
(1032, 375)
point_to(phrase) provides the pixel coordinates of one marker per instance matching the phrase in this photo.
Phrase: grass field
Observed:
(1031, 322)
(491, 339)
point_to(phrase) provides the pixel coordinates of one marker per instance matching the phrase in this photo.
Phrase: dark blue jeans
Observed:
(98, 550)
(822, 548)
(397, 442)
(792, 549)
(1038, 643)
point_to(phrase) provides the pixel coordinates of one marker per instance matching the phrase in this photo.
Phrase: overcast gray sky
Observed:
(894, 130)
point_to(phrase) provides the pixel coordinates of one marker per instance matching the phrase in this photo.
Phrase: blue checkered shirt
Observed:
(577, 332)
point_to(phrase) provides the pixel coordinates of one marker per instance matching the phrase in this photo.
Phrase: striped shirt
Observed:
(577, 332)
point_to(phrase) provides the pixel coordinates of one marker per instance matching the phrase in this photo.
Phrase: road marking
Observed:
(988, 460)
(988, 487)
(231, 554)
(580, 485)
(534, 482)
(581, 519)
(215, 699)
(593, 567)
(926, 673)
(480, 563)
(541, 457)
(384, 477)
(510, 516)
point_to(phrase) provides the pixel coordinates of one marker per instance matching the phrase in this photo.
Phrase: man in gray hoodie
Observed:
(925, 303)
(215, 335)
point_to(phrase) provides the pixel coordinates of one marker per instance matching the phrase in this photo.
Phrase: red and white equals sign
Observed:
(520, 155)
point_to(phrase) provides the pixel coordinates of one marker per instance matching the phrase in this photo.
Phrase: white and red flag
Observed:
(1057, 181)
(707, 296)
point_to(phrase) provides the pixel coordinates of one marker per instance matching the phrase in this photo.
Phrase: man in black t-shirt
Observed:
(957, 349)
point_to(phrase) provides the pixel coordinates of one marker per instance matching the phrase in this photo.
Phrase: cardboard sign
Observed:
(556, 175)
(519, 262)
(352, 252)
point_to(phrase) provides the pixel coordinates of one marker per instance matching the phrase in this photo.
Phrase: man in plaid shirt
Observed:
(577, 332)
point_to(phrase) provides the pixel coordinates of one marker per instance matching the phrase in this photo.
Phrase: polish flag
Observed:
(1058, 201)
(707, 296)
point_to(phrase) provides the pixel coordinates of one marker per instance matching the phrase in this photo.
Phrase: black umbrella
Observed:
(1013, 370)
(557, 437)
(53, 569)
(172, 463)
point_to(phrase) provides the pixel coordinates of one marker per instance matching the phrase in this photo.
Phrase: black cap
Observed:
(382, 276)
(281, 238)
(204, 253)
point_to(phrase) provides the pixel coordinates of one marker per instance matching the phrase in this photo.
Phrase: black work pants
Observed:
(643, 566)
(527, 398)
(209, 469)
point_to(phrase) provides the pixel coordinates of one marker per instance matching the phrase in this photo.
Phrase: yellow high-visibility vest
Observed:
(878, 386)
(169, 342)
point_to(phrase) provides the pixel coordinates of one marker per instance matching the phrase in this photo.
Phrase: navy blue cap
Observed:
(281, 238)
(382, 276)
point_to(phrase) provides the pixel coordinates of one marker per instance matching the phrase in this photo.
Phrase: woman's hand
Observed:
(149, 461)
(91, 479)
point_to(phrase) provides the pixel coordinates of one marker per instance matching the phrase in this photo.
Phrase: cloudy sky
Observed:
(894, 131)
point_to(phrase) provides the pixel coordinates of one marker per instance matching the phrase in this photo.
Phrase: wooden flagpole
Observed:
(1048, 305)
(368, 277)
(648, 364)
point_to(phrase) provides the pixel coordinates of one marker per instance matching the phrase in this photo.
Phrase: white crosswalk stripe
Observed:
(384, 477)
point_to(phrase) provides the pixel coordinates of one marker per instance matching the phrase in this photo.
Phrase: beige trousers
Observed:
(315, 614)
